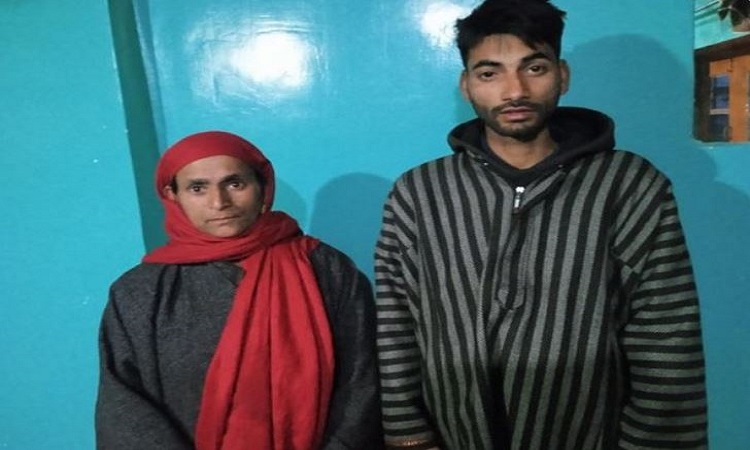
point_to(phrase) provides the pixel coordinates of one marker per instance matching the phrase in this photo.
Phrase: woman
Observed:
(240, 332)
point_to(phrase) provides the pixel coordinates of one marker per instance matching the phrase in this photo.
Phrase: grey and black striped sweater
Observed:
(562, 315)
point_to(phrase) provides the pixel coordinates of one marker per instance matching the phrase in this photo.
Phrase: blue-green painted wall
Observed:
(70, 220)
(373, 94)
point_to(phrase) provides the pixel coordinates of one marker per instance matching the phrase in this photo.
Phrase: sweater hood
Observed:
(577, 131)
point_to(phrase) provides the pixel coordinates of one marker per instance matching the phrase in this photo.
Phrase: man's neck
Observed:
(520, 154)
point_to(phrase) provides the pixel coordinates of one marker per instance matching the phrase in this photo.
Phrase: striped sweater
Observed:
(558, 315)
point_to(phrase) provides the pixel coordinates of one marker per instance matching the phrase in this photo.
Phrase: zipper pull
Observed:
(517, 198)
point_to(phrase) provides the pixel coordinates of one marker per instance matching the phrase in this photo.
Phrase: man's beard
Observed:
(523, 132)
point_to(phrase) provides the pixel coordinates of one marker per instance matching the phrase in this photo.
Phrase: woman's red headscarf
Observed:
(269, 383)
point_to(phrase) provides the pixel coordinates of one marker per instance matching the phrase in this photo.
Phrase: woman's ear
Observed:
(169, 193)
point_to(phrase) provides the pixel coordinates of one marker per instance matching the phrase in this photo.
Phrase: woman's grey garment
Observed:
(161, 327)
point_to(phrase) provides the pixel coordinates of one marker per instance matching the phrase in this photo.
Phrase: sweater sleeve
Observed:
(354, 414)
(405, 419)
(127, 416)
(665, 403)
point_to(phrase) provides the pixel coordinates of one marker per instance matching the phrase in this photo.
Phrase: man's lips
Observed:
(516, 113)
(515, 110)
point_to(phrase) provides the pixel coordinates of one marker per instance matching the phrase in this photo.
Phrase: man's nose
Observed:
(516, 87)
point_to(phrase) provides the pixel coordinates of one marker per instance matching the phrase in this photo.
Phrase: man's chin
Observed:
(528, 136)
(523, 133)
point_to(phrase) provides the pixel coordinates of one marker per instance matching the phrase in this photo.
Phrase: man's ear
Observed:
(564, 76)
(463, 84)
(264, 208)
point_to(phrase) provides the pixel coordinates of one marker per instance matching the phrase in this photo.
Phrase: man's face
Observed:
(513, 88)
(220, 195)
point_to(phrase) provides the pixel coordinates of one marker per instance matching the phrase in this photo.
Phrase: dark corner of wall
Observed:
(140, 119)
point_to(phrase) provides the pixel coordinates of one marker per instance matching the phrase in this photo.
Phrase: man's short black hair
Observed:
(535, 22)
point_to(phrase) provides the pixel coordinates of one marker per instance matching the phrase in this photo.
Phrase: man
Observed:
(240, 333)
(534, 290)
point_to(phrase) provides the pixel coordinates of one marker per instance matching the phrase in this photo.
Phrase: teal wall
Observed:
(70, 220)
(371, 93)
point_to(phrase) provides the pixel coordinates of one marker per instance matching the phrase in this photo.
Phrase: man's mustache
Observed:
(516, 104)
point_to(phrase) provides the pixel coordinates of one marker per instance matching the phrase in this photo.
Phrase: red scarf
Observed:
(270, 380)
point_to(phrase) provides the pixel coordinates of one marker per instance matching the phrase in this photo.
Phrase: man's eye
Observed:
(537, 69)
(486, 75)
(195, 189)
(236, 185)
